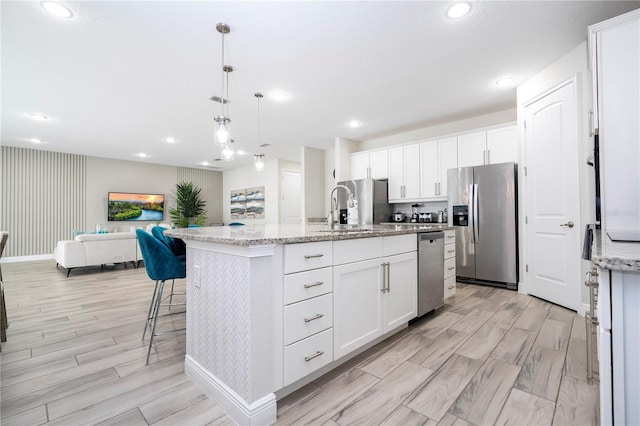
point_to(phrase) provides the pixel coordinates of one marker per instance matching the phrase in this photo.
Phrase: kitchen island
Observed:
(618, 304)
(272, 307)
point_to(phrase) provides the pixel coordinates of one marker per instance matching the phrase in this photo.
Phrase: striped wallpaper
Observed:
(211, 184)
(42, 199)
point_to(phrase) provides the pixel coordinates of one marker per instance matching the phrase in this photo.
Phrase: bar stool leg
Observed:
(155, 319)
(150, 314)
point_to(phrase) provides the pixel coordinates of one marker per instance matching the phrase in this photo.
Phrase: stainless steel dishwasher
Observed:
(430, 271)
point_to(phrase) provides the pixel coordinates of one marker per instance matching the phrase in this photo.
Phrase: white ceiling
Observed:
(121, 76)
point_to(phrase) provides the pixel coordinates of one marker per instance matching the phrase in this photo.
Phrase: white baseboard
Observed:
(16, 259)
(260, 412)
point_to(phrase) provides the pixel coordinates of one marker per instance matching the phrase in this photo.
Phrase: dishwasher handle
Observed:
(430, 236)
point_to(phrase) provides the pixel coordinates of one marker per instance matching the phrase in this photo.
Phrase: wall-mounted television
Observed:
(126, 206)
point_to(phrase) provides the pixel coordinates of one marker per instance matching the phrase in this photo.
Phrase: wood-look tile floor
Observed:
(489, 356)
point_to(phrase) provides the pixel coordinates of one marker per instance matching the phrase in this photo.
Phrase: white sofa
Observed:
(97, 249)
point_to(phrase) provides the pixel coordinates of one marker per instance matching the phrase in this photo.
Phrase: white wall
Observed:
(574, 63)
(342, 160)
(249, 177)
(460, 126)
(105, 175)
(312, 183)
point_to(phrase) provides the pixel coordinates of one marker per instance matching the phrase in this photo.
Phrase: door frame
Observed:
(281, 194)
(525, 206)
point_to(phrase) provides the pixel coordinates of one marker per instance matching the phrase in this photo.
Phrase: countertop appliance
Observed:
(371, 198)
(398, 217)
(430, 271)
(482, 201)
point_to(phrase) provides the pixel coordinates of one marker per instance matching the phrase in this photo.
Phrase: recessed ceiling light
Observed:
(240, 152)
(354, 123)
(35, 140)
(458, 10)
(279, 95)
(37, 116)
(142, 155)
(506, 81)
(56, 9)
(204, 163)
(171, 140)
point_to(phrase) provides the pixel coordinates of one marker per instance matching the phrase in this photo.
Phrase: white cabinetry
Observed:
(499, 145)
(375, 292)
(449, 263)
(619, 316)
(404, 173)
(615, 56)
(308, 308)
(436, 157)
(369, 164)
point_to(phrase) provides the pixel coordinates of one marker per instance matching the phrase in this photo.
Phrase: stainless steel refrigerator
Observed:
(372, 200)
(483, 210)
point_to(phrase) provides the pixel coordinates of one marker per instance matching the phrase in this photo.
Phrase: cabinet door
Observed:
(396, 174)
(412, 171)
(471, 149)
(378, 164)
(428, 169)
(357, 304)
(502, 145)
(401, 301)
(447, 159)
(360, 165)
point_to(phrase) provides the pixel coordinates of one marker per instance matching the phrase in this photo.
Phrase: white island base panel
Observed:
(232, 327)
(260, 412)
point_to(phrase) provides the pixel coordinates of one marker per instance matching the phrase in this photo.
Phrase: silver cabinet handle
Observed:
(451, 236)
(313, 318)
(388, 277)
(311, 256)
(384, 278)
(451, 268)
(451, 287)
(317, 283)
(435, 189)
(316, 355)
(451, 251)
(568, 224)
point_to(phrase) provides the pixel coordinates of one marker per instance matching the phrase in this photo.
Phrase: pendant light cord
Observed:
(222, 81)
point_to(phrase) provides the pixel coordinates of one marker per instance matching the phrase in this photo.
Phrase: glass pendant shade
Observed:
(222, 131)
(227, 152)
(259, 161)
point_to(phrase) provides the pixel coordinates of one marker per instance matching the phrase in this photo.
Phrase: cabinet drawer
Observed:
(450, 267)
(305, 256)
(306, 356)
(449, 251)
(308, 317)
(398, 244)
(449, 287)
(449, 236)
(348, 251)
(308, 284)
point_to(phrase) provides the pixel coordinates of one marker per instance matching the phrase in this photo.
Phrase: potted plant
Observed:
(189, 206)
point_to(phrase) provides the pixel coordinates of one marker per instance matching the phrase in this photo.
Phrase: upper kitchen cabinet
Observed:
(436, 157)
(369, 164)
(404, 173)
(493, 146)
(615, 64)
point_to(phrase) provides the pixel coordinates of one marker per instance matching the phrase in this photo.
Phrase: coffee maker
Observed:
(414, 213)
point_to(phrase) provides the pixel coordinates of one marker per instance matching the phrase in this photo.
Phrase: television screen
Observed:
(126, 206)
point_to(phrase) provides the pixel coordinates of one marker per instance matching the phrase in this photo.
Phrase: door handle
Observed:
(568, 224)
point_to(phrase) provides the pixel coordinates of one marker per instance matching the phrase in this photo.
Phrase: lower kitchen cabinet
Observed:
(372, 297)
(449, 263)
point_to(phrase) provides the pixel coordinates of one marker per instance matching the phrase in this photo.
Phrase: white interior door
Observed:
(291, 192)
(552, 198)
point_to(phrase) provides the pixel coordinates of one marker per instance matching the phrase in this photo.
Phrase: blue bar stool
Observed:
(161, 265)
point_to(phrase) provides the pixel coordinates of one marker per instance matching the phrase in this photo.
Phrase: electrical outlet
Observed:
(196, 275)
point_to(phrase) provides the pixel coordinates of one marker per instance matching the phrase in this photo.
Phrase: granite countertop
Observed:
(249, 235)
(614, 255)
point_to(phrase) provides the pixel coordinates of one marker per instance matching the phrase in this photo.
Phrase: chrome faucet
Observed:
(333, 213)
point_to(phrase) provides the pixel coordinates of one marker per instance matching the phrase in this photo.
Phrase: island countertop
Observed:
(621, 256)
(249, 235)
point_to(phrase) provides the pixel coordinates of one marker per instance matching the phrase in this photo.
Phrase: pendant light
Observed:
(258, 158)
(223, 120)
(227, 151)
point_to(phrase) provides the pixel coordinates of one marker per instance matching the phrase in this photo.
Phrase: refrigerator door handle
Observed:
(476, 230)
(472, 221)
